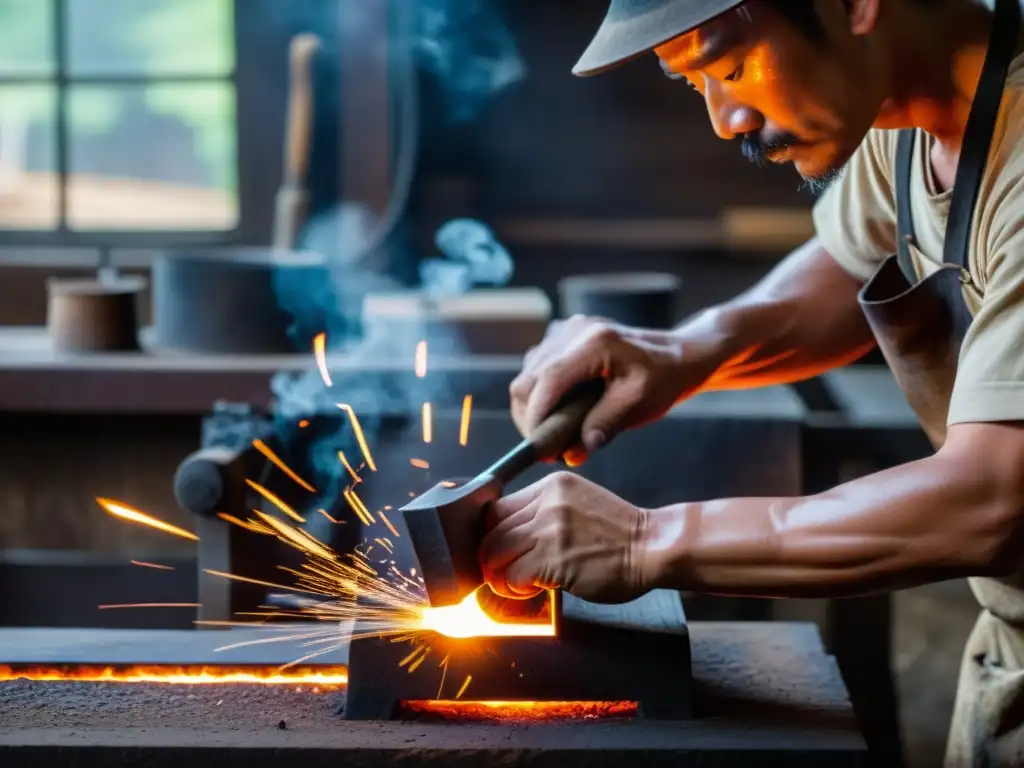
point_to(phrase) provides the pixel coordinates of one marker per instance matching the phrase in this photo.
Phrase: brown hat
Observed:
(633, 27)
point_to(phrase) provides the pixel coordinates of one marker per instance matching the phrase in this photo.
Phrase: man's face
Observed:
(790, 97)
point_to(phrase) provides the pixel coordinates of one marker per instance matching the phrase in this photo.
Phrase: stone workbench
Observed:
(764, 694)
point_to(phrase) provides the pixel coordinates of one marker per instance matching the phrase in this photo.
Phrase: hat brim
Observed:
(628, 34)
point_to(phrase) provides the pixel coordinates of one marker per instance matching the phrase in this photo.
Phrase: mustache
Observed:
(754, 146)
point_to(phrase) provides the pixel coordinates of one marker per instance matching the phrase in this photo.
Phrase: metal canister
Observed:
(94, 315)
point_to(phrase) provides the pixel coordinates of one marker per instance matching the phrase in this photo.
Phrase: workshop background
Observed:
(140, 137)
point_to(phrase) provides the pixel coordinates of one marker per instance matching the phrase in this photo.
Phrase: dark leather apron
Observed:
(920, 327)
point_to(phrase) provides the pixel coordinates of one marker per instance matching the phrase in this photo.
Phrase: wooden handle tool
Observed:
(292, 198)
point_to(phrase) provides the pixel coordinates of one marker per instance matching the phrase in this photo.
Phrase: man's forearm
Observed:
(926, 521)
(801, 320)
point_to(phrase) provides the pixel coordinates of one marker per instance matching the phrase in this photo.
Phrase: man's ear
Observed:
(862, 15)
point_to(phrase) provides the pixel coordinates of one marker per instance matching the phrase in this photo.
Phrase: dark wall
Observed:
(628, 143)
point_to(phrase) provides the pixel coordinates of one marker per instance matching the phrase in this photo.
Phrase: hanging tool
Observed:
(293, 198)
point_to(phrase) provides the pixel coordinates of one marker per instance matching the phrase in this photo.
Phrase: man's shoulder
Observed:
(882, 142)
(1008, 136)
(877, 152)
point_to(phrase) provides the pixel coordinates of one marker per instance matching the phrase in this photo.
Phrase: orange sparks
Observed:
(148, 605)
(421, 359)
(298, 538)
(320, 352)
(416, 652)
(420, 463)
(344, 461)
(303, 423)
(275, 501)
(263, 448)
(144, 564)
(246, 524)
(428, 423)
(465, 685)
(354, 420)
(123, 511)
(387, 522)
(247, 580)
(324, 676)
(358, 507)
(325, 514)
(467, 411)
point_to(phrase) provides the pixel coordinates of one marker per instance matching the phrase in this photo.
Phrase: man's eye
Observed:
(736, 74)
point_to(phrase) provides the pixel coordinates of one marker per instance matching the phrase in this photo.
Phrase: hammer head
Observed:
(446, 526)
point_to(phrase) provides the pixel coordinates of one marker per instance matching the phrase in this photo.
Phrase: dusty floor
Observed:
(931, 626)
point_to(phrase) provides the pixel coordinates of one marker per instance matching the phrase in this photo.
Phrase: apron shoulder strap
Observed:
(904, 217)
(977, 139)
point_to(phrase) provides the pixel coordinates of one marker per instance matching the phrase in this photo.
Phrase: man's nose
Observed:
(729, 118)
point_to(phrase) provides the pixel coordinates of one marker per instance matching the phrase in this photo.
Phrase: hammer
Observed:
(446, 523)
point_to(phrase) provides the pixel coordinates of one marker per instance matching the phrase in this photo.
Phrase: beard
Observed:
(755, 148)
(817, 185)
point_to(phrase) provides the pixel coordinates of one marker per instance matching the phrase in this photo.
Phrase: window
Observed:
(117, 117)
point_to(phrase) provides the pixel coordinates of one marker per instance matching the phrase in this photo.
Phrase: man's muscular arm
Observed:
(957, 513)
(801, 320)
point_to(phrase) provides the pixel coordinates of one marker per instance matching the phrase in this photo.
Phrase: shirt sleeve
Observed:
(990, 378)
(855, 219)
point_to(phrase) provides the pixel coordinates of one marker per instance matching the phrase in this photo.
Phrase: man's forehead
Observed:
(695, 48)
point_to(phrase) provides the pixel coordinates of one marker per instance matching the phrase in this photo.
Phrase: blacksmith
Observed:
(908, 115)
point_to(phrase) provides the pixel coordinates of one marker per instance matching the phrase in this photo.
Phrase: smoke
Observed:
(464, 44)
(468, 49)
(375, 350)
(474, 257)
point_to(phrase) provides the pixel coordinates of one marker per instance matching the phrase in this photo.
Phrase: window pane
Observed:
(136, 37)
(160, 156)
(29, 197)
(26, 37)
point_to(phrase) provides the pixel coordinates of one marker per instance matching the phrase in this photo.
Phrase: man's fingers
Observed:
(508, 539)
(555, 383)
(508, 505)
(523, 578)
(611, 413)
(505, 544)
(514, 580)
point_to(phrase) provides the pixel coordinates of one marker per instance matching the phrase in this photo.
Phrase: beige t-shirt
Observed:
(856, 222)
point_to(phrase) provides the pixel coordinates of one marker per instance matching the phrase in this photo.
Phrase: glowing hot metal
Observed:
(207, 675)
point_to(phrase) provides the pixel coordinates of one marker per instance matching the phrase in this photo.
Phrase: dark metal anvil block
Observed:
(635, 652)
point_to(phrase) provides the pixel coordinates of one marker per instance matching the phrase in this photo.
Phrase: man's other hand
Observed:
(646, 373)
(566, 532)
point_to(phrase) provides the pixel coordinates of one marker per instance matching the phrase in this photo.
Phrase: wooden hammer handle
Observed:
(560, 431)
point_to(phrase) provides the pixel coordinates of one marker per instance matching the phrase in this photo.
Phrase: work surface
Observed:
(766, 694)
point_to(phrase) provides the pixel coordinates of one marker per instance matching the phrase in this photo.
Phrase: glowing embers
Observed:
(484, 614)
(322, 677)
(517, 711)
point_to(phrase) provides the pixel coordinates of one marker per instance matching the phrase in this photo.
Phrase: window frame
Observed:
(246, 230)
